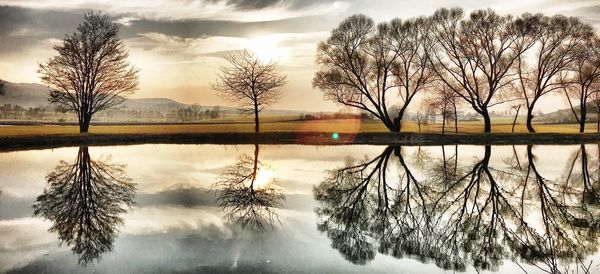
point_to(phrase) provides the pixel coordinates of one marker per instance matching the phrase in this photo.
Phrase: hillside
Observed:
(25, 95)
(36, 95)
(566, 115)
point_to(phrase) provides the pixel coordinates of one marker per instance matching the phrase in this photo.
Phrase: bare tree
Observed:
(85, 201)
(360, 64)
(422, 114)
(556, 44)
(459, 216)
(90, 72)
(474, 56)
(443, 102)
(516, 106)
(364, 209)
(243, 199)
(250, 83)
(582, 81)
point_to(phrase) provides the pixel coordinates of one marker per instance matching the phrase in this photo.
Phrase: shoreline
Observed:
(34, 142)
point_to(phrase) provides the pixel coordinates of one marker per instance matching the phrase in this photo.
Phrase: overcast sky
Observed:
(178, 45)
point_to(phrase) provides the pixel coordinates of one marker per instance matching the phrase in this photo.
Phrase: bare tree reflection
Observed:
(246, 195)
(567, 230)
(460, 216)
(358, 203)
(473, 212)
(85, 200)
(588, 176)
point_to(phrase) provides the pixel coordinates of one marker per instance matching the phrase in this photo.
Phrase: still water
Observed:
(300, 209)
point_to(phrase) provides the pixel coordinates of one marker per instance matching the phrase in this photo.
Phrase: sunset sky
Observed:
(179, 45)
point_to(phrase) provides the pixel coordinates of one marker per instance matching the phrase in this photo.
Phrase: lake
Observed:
(300, 209)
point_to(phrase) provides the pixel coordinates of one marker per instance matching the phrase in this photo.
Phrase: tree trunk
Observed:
(487, 122)
(455, 126)
(582, 121)
(254, 168)
(256, 122)
(598, 119)
(394, 127)
(530, 119)
(443, 124)
(397, 123)
(486, 156)
(445, 164)
(455, 117)
(84, 123)
(454, 172)
(515, 120)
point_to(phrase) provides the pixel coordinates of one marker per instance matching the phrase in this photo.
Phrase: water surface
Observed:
(300, 209)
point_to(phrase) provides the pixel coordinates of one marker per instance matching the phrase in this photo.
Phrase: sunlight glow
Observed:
(263, 177)
(267, 49)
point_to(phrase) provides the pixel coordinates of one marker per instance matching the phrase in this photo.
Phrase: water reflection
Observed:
(471, 208)
(461, 215)
(247, 194)
(85, 201)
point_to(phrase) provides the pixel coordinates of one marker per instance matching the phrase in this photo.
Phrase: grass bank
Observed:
(17, 137)
(270, 126)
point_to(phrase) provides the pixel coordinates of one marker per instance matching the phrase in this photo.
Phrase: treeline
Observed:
(16, 112)
(336, 115)
(481, 60)
(194, 113)
(49, 113)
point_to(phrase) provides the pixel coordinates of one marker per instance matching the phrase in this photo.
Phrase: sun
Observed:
(263, 177)
(267, 49)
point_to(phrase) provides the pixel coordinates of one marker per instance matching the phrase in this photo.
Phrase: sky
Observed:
(178, 45)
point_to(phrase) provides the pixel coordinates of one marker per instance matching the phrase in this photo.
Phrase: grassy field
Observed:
(273, 125)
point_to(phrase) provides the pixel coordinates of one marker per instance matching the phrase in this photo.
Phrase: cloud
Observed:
(252, 4)
(184, 197)
(235, 10)
(202, 28)
(289, 46)
(21, 28)
(21, 233)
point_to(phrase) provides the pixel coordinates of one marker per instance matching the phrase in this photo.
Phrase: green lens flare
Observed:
(335, 136)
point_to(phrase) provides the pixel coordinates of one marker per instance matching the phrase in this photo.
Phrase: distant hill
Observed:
(25, 95)
(565, 115)
(157, 104)
(36, 95)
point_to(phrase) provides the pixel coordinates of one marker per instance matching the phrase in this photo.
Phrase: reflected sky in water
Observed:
(299, 209)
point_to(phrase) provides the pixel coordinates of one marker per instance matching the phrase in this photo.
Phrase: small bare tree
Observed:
(90, 72)
(423, 113)
(516, 107)
(443, 102)
(250, 83)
